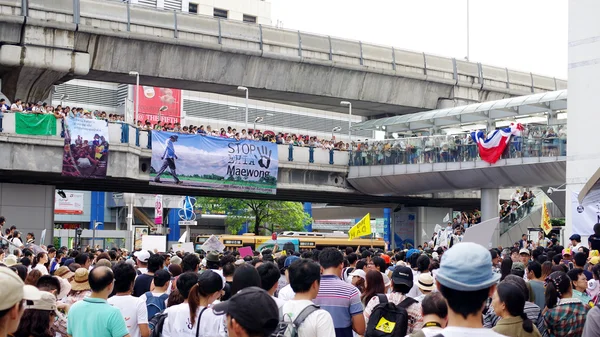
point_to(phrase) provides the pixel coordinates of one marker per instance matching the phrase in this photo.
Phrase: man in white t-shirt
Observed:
(465, 278)
(158, 289)
(132, 308)
(286, 293)
(269, 280)
(305, 278)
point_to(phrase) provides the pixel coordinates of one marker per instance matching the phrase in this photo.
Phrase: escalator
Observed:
(138, 213)
(513, 226)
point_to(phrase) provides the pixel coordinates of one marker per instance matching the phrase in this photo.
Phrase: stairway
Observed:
(138, 213)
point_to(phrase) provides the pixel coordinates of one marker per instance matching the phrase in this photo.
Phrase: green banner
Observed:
(35, 124)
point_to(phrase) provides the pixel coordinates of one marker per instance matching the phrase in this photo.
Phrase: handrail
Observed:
(521, 214)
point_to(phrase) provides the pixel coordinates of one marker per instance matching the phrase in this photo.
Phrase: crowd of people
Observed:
(532, 289)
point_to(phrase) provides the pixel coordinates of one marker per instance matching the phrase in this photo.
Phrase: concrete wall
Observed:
(29, 207)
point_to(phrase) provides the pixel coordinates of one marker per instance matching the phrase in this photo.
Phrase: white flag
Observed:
(446, 218)
(43, 237)
(437, 228)
(183, 238)
(423, 233)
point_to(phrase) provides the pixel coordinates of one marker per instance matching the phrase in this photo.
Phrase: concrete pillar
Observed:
(173, 223)
(308, 210)
(29, 84)
(387, 219)
(584, 49)
(489, 203)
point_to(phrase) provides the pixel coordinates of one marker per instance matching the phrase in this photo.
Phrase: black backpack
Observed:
(388, 319)
(156, 324)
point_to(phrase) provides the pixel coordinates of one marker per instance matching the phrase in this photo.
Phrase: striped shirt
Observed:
(341, 300)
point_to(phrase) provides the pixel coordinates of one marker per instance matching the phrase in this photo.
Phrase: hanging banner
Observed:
(197, 161)
(158, 209)
(86, 148)
(35, 124)
(585, 216)
(404, 230)
(155, 101)
(72, 204)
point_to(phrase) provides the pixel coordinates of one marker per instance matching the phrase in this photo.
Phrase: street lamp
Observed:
(336, 129)
(344, 103)
(137, 95)
(63, 97)
(96, 224)
(240, 88)
(257, 120)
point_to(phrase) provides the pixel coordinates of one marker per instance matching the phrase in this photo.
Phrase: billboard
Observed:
(72, 204)
(86, 148)
(404, 227)
(197, 161)
(155, 100)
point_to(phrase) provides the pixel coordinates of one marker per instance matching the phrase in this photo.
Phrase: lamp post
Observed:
(96, 223)
(336, 129)
(137, 95)
(63, 97)
(344, 103)
(256, 120)
(240, 88)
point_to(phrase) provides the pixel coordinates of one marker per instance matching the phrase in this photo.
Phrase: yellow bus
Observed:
(292, 241)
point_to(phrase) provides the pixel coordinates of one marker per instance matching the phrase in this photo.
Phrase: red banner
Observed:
(155, 99)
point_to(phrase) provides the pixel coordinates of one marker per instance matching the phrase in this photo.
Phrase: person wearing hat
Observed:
(425, 285)
(287, 293)
(80, 286)
(358, 278)
(169, 158)
(142, 258)
(575, 242)
(64, 273)
(525, 256)
(402, 282)
(40, 316)
(13, 291)
(242, 322)
(10, 260)
(466, 287)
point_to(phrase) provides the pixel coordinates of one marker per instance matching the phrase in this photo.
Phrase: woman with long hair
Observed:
(564, 315)
(508, 302)
(192, 318)
(33, 277)
(39, 262)
(39, 317)
(546, 269)
(505, 267)
(373, 285)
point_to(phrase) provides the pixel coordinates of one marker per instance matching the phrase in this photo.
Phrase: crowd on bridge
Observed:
(535, 288)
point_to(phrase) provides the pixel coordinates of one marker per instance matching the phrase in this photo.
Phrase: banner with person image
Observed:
(86, 148)
(198, 161)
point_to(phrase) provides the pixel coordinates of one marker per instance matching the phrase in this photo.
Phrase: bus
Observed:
(296, 241)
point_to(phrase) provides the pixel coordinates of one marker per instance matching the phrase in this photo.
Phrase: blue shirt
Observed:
(95, 317)
(169, 150)
(341, 300)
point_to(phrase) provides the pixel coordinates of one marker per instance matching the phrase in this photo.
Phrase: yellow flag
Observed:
(545, 225)
(362, 228)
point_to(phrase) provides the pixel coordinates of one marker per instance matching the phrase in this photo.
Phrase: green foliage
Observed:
(557, 221)
(264, 216)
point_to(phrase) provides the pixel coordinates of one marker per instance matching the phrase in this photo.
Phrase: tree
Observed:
(262, 215)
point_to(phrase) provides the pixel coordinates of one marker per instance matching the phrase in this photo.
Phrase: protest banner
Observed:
(35, 124)
(362, 228)
(86, 148)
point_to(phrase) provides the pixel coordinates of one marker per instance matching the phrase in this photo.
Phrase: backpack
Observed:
(155, 304)
(290, 329)
(388, 319)
(156, 324)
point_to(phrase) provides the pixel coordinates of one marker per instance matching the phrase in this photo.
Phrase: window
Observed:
(249, 18)
(193, 8)
(220, 13)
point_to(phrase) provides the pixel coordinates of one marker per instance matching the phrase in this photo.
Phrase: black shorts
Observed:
(171, 163)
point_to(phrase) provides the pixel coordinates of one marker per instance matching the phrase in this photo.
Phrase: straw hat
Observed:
(80, 282)
(10, 260)
(64, 272)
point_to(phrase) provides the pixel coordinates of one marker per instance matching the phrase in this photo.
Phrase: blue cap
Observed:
(290, 260)
(467, 266)
(411, 252)
(69, 261)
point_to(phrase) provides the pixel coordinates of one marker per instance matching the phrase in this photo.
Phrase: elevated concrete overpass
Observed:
(51, 41)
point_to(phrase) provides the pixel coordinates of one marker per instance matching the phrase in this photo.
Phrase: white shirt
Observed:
(287, 293)
(133, 310)
(280, 304)
(453, 331)
(317, 324)
(178, 323)
(430, 332)
(17, 242)
(414, 291)
(41, 268)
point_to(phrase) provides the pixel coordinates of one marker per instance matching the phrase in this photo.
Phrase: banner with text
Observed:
(71, 204)
(86, 148)
(35, 124)
(158, 209)
(198, 161)
(362, 228)
(155, 102)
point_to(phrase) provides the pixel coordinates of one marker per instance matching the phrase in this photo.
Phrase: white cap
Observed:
(13, 289)
(142, 255)
(360, 273)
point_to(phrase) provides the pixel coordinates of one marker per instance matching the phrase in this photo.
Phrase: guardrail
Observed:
(127, 134)
(444, 149)
(268, 41)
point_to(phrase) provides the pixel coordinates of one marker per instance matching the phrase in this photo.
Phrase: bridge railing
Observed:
(115, 17)
(551, 142)
(127, 134)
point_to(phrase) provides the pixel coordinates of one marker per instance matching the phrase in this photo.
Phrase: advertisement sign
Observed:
(404, 227)
(198, 161)
(155, 101)
(158, 209)
(86, 148)
(282, 244)
(72, 204)
(139, 232)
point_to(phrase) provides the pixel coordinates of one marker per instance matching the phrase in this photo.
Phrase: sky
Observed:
(525, 35)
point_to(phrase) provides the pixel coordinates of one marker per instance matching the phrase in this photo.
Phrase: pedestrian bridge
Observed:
(44, 42)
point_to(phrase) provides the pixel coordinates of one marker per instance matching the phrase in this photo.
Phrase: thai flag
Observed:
(492, 147)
